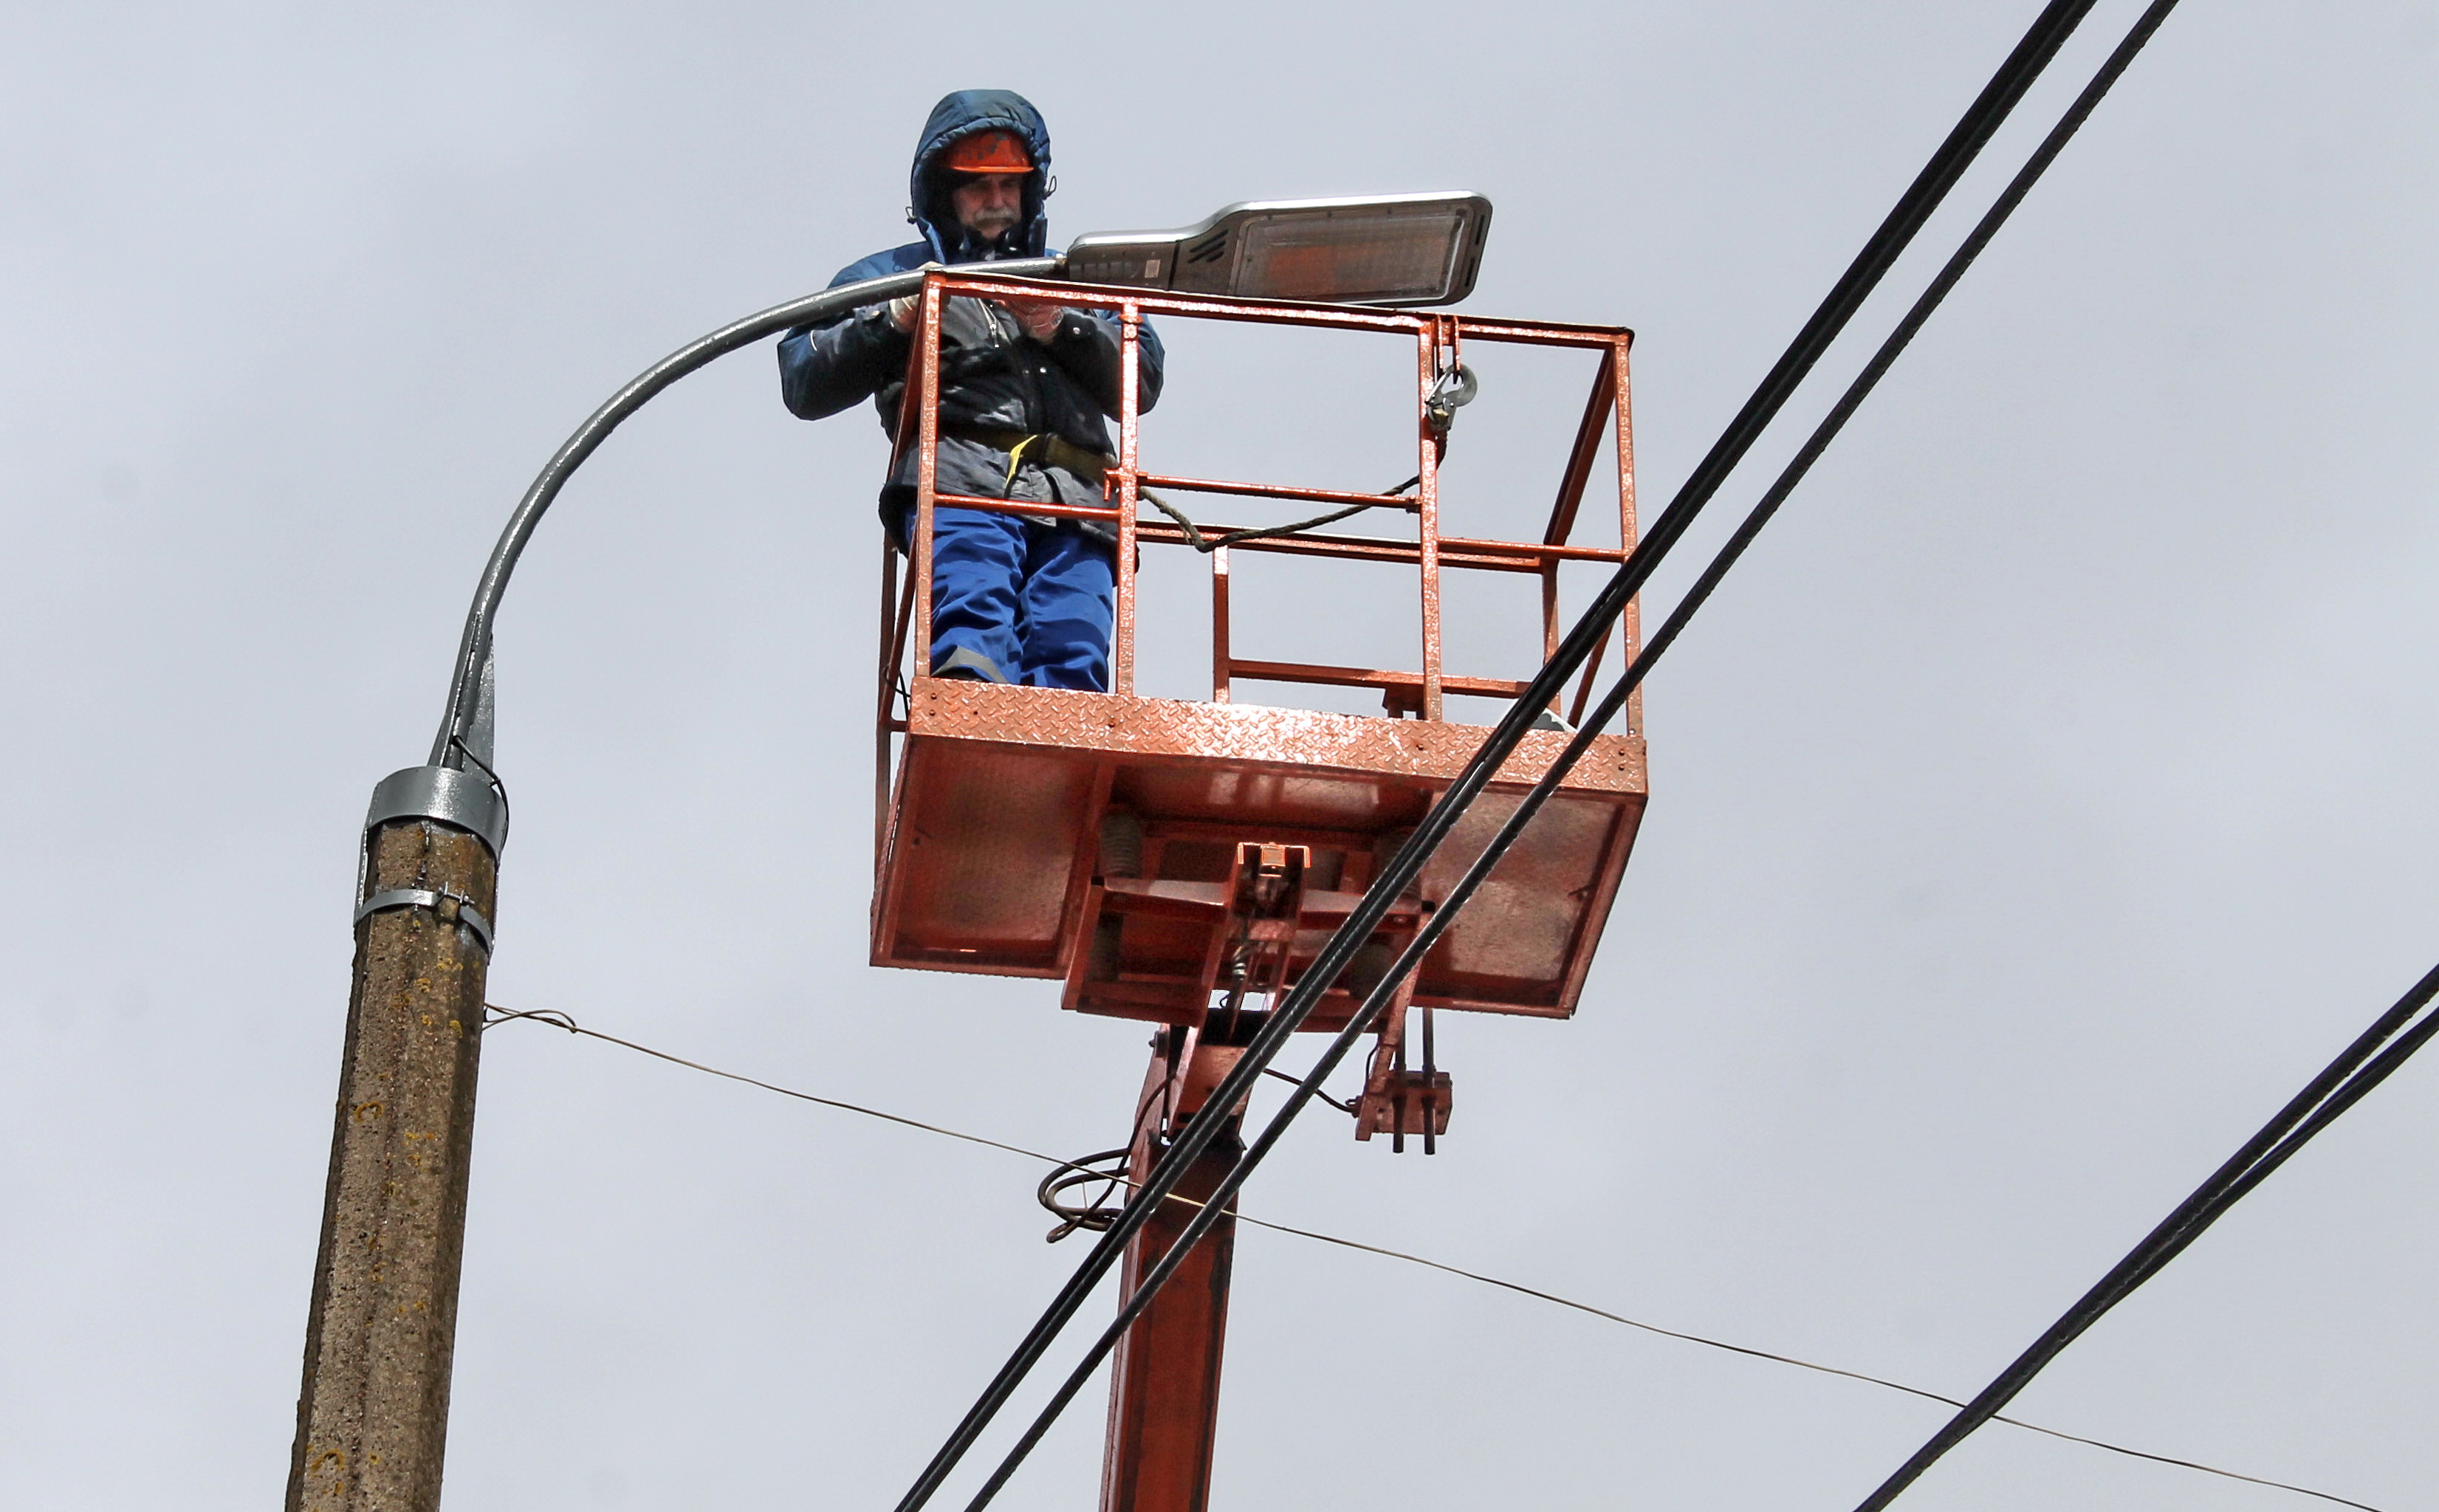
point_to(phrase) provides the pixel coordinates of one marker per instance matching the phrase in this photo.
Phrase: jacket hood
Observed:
(960, 115)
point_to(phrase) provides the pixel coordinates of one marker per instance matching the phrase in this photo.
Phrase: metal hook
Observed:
(1451, 390)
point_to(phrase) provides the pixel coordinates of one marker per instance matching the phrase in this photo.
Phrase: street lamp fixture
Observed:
(384, 1321)
(1398, 249)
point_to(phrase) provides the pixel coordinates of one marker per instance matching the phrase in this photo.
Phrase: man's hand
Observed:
(1041, 322)
(903, 309)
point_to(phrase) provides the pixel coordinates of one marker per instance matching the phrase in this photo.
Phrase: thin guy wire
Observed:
(1956, 151)
(560, 1020)
(1408, 960)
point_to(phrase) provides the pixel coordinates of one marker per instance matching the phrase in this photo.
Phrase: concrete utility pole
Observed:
(374, 1413)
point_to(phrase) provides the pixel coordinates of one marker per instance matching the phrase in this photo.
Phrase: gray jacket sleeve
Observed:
(825, 368)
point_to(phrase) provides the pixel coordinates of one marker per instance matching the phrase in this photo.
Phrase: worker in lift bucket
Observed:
(1025, 394)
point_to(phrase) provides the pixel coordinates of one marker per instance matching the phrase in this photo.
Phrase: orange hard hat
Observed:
(988, 153)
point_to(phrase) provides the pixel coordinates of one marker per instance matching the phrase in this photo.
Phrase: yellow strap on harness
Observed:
(1044, 450)
(1016, 458)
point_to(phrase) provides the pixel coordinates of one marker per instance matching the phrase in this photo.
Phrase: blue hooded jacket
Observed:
(993, 377)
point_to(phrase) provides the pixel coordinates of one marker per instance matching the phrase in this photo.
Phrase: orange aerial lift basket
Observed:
(1185, 862)
(1161, 856)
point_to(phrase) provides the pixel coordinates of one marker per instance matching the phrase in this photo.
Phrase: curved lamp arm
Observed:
(475, 645)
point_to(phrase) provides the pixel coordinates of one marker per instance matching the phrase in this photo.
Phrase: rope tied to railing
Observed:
(1206, 545)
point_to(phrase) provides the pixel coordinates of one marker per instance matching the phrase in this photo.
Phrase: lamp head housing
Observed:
(1396, 249)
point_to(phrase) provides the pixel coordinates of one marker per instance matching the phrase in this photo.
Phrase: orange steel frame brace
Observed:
(1164, 1378)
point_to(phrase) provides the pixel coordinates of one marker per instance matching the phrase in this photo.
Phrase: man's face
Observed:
(988, 203)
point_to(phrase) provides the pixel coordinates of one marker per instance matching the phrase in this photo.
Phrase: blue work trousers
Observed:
(1032, 601)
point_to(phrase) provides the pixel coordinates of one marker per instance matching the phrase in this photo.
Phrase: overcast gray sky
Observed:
(2047, 798)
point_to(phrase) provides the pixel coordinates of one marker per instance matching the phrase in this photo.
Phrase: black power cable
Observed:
(1612, 702)
(2363, 1066)
(1990, 108)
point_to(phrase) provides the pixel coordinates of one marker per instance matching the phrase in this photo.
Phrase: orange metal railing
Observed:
(906, 609)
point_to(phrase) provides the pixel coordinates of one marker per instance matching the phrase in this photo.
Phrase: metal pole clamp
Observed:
(460, 799)
(450, 906)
